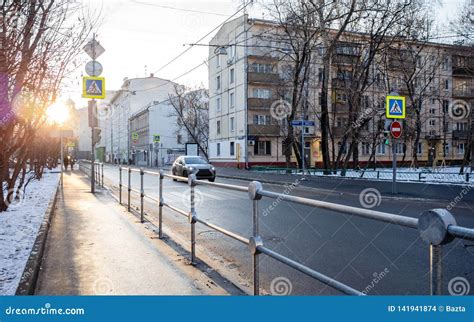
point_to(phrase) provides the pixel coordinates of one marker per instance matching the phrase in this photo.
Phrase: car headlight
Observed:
(191, 169)
(213, 169)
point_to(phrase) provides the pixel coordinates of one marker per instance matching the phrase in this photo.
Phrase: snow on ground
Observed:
(425, 175)
(19, 227)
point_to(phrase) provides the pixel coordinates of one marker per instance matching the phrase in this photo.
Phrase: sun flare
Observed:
(57, 113)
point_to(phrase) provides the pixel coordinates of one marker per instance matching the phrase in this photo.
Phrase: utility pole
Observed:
(93, 87)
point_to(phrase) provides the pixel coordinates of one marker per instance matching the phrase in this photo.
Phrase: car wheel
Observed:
(174, 173)
(212, 179)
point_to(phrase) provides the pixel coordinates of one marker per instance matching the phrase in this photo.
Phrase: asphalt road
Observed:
(374, 257)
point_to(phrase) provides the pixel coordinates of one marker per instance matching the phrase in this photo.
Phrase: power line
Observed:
(178, 9)
(202, 38)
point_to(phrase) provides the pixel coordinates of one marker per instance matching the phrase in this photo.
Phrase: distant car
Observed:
(185, 165)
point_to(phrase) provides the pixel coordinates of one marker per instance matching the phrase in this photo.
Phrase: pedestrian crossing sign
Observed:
(396, 107)
(93, 87)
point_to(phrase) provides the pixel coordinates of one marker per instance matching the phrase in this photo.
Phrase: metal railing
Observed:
(436, 227)
(98, 170)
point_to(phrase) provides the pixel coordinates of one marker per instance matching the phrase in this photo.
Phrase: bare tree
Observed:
(304, 28)
(463, 23)
(191, 109)
(39, 45)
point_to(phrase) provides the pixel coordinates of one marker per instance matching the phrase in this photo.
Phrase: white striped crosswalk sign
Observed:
(396, 108)
(93, 87)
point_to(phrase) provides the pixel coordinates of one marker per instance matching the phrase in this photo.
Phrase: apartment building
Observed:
(246, 94)
(134, 95)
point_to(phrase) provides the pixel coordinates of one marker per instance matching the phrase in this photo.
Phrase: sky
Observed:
(141, 36)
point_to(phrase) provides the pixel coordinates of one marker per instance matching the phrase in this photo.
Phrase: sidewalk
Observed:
(95, 247)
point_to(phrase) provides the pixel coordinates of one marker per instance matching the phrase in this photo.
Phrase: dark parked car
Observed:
(184, 166)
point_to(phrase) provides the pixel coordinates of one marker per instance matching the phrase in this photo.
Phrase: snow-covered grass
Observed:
(19, 226)
(425, 175)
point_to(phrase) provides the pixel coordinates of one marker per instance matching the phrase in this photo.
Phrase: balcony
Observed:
(263, 78)
(260, 103)
(464, 93)
(263, 130)
(463, 66)
(433, 137)
(460, 134)
(341, 60)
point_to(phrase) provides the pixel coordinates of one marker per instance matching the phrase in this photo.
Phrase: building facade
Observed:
(247, 96)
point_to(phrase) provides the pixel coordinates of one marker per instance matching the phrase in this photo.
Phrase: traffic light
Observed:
(96, 136)
(386, 139)
(92, 113)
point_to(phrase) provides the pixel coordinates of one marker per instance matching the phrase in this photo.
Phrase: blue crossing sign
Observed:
(93, 87)
(396, 107)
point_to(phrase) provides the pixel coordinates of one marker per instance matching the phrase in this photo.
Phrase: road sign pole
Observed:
(394, 165)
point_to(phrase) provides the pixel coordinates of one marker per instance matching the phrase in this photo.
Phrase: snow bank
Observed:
(19, 227)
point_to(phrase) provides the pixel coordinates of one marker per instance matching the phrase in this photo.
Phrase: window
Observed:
(232, 148)
(218, 130)
(399, 148)
(218, 82)
(461, 148)
(445, 106)
(179, 139)
(381, 148)
(461, 126)
(341, 97)
(232, 76)
(365, 148)
(261, 68)
(262, 120)
(218, 61)
(218, 149)
(446, 149)
(218, 103)
(419, 149)
(320, 74)
(232, 126)
(432, 122)
(432, 111)
(261, 93)
(263, 148)
(446, 84)
(231, 100)
(445, 64)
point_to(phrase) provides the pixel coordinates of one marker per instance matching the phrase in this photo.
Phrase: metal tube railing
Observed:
(366, 213)
(437, 227)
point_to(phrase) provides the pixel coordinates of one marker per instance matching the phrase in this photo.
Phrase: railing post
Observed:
(192, 217)
(120, 185)
(142, 195)
(129, 187)
(255, 241)
(160, 214)
(467, 176)
(102, 168)
(433, 227)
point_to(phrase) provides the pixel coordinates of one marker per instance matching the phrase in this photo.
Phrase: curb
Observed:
(30, 275)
